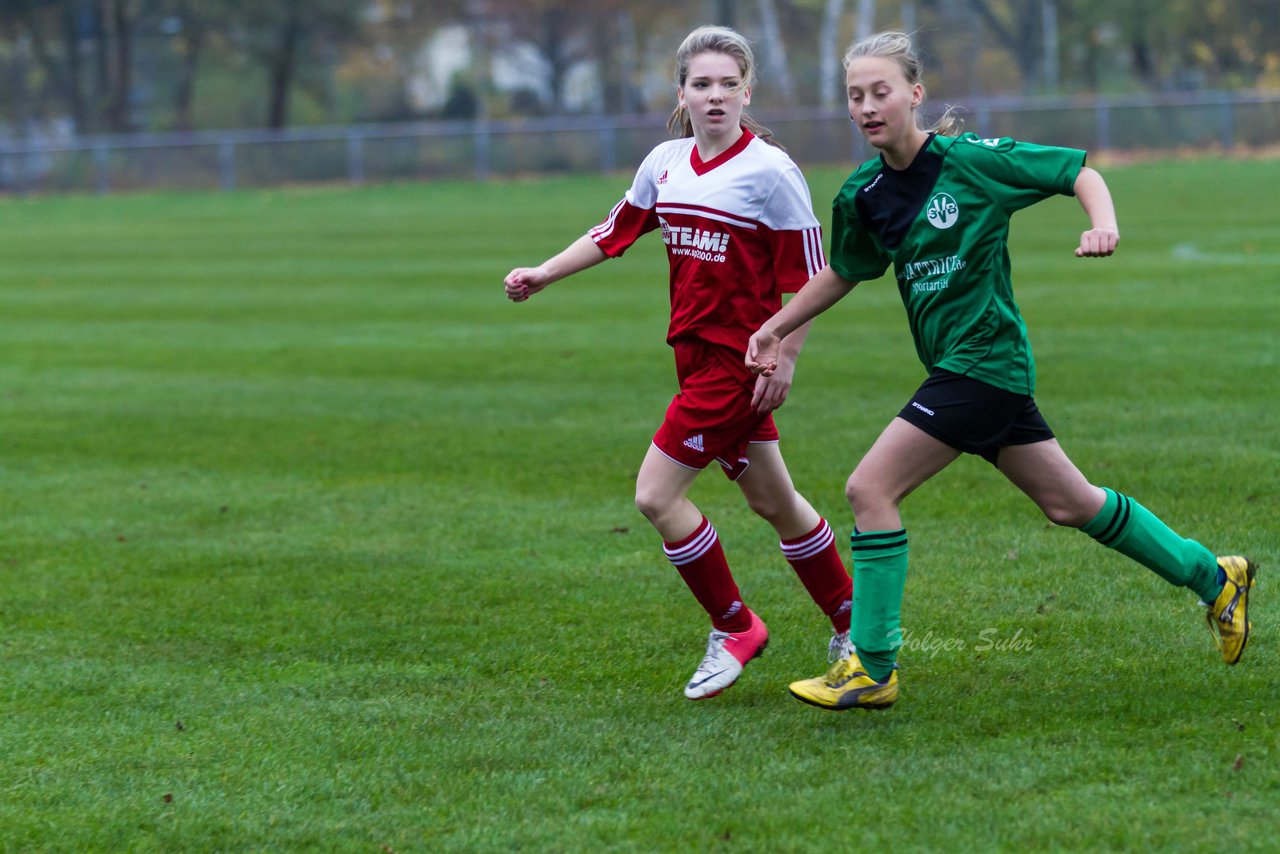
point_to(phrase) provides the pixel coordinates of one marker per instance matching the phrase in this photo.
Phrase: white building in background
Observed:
(518, 66)
(435, 64)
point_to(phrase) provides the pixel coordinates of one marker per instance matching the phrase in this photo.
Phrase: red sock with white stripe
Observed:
(816, 559)
(700, 561)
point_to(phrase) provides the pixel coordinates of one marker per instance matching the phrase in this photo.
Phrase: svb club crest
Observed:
(942, 211)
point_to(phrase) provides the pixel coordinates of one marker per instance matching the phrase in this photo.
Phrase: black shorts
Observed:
(973, 416)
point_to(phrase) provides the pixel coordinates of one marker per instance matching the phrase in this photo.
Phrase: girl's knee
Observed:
(769, 506)
(651, 503)
(1072, 508)
(860, 493)
(1068, 514)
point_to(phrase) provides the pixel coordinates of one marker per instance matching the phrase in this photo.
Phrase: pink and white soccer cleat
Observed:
(727, 654)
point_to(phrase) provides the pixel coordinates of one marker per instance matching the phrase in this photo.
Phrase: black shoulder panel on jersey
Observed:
(890, 202)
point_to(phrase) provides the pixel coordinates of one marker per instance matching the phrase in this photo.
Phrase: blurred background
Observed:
(101, 95)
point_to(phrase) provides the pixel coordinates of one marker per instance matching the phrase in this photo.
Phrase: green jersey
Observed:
(944, 225)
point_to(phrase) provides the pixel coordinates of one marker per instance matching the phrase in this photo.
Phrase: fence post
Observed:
(1227, 119)
(227, 164)
(608, 135)
(1103, 113)
(23, 172)
(482, 162)
(984, 121)
(355, 157)
(100, 169)
(857, 145)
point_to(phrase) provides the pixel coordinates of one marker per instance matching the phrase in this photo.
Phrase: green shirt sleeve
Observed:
(855, 254)
(1020, 174)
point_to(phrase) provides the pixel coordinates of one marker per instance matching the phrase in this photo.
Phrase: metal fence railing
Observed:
(483, 149)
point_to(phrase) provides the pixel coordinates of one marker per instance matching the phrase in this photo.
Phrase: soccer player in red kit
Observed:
(738, 224)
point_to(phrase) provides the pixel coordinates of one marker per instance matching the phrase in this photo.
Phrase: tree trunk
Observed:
(283, 66)
(118, 117)
(775, 51)
(553, 49)
(19, 110)
(184, 91)
(51, 71)
(724, 13)
(628, 63)
(482, 44)
(1049, 13)
(1021, 40)
(1143, 65)
(866, 25)
(102, 60)
(614, 54)
(831, 87)
(909, 16)
(76, 101)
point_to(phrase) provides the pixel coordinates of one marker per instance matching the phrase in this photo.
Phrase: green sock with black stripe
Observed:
(879, 578)
(1131, 529)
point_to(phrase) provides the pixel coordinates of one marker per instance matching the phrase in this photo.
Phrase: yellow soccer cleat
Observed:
(847, 686)
(1228, 616)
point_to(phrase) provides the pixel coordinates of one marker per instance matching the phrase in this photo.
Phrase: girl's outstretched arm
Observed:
(821, 292)
(1103, 234)
(523, 282)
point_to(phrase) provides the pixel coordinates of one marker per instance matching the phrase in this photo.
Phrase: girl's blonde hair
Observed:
(716, 40)
(897, 46)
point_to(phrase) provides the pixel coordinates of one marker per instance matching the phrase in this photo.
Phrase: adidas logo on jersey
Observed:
(694, 442)
(662, 179)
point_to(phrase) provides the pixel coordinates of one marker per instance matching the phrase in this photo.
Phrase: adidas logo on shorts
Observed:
(694, 442)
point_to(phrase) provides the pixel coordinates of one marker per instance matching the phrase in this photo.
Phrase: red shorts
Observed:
(711, 418)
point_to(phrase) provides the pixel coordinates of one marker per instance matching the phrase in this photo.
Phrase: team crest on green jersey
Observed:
(942, 211)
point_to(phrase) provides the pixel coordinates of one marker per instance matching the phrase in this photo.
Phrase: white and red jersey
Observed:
(739, 230)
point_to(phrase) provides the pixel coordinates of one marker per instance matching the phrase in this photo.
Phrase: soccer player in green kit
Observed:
(937, 206)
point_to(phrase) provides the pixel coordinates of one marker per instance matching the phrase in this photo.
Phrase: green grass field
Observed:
(309, 540)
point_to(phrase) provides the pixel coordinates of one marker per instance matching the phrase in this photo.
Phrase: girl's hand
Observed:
(772, 388)
(523, 282)
(1098, 243)
(762, 354)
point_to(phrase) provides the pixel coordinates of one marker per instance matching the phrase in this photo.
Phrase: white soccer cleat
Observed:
(727, 655)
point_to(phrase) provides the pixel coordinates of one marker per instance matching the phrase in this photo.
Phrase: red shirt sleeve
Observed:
(624, 226)
(797, 256)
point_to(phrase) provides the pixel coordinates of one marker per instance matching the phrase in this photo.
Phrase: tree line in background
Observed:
(115, 66)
